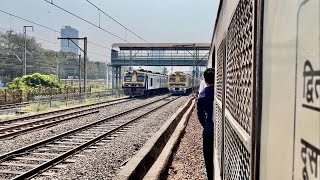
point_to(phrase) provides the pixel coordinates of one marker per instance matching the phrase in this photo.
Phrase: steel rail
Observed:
(118, 101)
(50, 121)
(11, 106)
(39, 168)
(18, 151)
(60, 158)
(16, 130)
(46, 122)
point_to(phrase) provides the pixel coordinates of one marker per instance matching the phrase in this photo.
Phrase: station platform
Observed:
(188, 161)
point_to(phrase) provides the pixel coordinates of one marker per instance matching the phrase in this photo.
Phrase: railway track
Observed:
(31, 160)
(11, 106)
(24, 124)
(60, 111)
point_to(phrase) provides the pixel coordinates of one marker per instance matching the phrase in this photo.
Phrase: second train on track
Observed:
(142, 82)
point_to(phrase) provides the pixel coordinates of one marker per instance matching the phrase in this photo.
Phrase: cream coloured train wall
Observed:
(290, 121)
(291, 77)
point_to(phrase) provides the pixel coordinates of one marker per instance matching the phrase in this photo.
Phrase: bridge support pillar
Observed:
(116, 77)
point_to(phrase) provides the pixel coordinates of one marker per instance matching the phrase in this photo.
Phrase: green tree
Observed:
(97, 70)
(11, 56)
(34, 81)
(39, 59)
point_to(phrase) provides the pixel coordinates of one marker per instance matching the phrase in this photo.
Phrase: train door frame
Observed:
(147, 81)
(258, 15)
(213, 57)
(223, 100)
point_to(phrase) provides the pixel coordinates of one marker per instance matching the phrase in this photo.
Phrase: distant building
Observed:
(66, 46)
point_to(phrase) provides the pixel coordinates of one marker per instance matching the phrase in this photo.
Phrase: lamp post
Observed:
(25, 49)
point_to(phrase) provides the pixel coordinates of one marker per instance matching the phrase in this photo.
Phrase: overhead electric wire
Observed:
(50, 2)
(86, 21)
(117, 21)
(99, 45)
(100, 10)
(75, 48)
(89, 52)
(46, 27)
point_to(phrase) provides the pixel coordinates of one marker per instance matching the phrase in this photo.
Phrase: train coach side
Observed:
(141, 82)
(267, 103)
(156, 83)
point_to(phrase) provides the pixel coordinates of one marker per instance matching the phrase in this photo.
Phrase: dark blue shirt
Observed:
(205, 107)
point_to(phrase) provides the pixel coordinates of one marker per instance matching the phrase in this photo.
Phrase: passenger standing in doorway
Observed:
(205, 116)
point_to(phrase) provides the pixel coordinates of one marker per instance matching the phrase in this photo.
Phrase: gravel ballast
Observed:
(105, 161)
(188, 162)
(19, 141)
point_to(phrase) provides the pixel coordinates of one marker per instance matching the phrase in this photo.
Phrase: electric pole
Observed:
(85, 64)
(25, 49)
(84, 50)
(107, 75)
(79, 73)
(193, 67)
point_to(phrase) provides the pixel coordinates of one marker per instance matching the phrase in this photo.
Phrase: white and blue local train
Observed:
(142, 82)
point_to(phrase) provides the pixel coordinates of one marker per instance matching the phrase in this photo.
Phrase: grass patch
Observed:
(44, 106)
(58, 105)
(7, 117)
(98, 88)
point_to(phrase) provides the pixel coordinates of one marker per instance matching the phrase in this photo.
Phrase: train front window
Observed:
(140, 78)
(172, 79)
(127, 78)
(182, 79)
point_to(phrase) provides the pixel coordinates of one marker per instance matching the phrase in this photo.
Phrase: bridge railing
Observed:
(143, 54)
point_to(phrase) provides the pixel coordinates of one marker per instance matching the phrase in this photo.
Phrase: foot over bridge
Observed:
(157, 54)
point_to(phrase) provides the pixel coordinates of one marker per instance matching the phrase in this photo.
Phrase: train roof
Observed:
(147, 71)
(180, 73)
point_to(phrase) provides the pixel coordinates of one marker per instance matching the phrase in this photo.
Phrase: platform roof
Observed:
(161, 46)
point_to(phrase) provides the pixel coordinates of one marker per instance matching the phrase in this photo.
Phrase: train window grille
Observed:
(218, 132)
(234, 94)
(218, 128)
(239, 68)
(219, 69)
(237, 161)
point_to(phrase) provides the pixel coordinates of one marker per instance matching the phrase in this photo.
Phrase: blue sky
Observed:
(153, 20)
